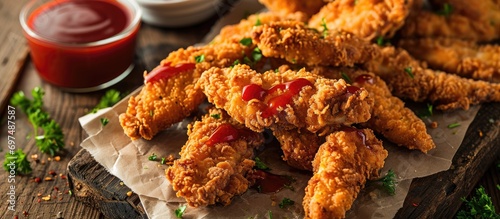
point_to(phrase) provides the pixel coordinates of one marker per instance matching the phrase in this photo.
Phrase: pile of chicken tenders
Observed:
(326, 78)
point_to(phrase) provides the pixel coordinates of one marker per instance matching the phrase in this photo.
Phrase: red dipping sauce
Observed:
(82, 45)
(290, 89)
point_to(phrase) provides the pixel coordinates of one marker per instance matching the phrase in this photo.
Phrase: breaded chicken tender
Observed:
(214, 161)
(409, 80)
(480, 9)
(292, 99)
(309, 7)
(390, 117)
(243, 29)
(169, 100)
(299, 44)
(367, 19)
(341, 167)
(464, 58)
(426, 23)
(299, 146)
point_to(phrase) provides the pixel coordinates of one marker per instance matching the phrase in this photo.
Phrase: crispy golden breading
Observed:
(161, 104)
(299, 44)
(325, 105)
(299, 146)
(341, 167)
(309, 7)
(464, 58)
(367, 19)
(167, 101)
(484, 10)
(409, 80)
(209, 173)
(244, 27)
(430, 24)
(390, 117)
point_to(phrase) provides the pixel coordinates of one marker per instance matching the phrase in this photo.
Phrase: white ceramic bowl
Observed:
(177, 13)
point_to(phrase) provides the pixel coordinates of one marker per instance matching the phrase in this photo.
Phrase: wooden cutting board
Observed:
(434, 196)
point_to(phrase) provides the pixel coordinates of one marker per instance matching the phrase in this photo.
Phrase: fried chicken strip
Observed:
(485, 10)
(212, 168)
(426, 23)
(299, 44)
(341, 168)
(408, 79)
(390, 117)
(308, 7)
(293, 99)
(244, 28)
(464, 58)
(367, 19)
(299, 146)
(167, 101)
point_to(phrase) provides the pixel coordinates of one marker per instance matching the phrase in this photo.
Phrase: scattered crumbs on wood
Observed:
(121, 183)
(274, 200)
(434, 124)
(480, 133)
(46, 198)
(59, 215)
(129, 193)
(57, 158)
(48, 178)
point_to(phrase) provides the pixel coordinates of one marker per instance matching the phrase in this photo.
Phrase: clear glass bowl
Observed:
(81, 67)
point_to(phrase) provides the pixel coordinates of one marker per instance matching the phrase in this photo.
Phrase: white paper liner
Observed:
(128, 160)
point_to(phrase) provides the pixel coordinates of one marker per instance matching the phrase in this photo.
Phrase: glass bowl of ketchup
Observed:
(81, 45)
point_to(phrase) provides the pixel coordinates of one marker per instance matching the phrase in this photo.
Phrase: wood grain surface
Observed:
(439, 195)
(13, 52)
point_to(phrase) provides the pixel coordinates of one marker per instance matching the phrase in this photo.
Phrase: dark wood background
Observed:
(436, 196)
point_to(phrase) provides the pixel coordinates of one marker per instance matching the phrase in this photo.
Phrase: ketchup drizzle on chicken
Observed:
(266, 182)
(289, 89)
(166, 70)
(227, 133)
(364, 78)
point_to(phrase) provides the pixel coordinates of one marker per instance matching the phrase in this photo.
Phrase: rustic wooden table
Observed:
(17, 73)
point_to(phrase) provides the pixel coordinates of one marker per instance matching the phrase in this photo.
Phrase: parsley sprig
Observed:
(479, 206)
(325, 28)
(254, 57)
(388, 182)
(446, 10)
(180, 211)
(260, 165)
(51, 139)
(110, 98)
(286, 202)
(17, 161)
